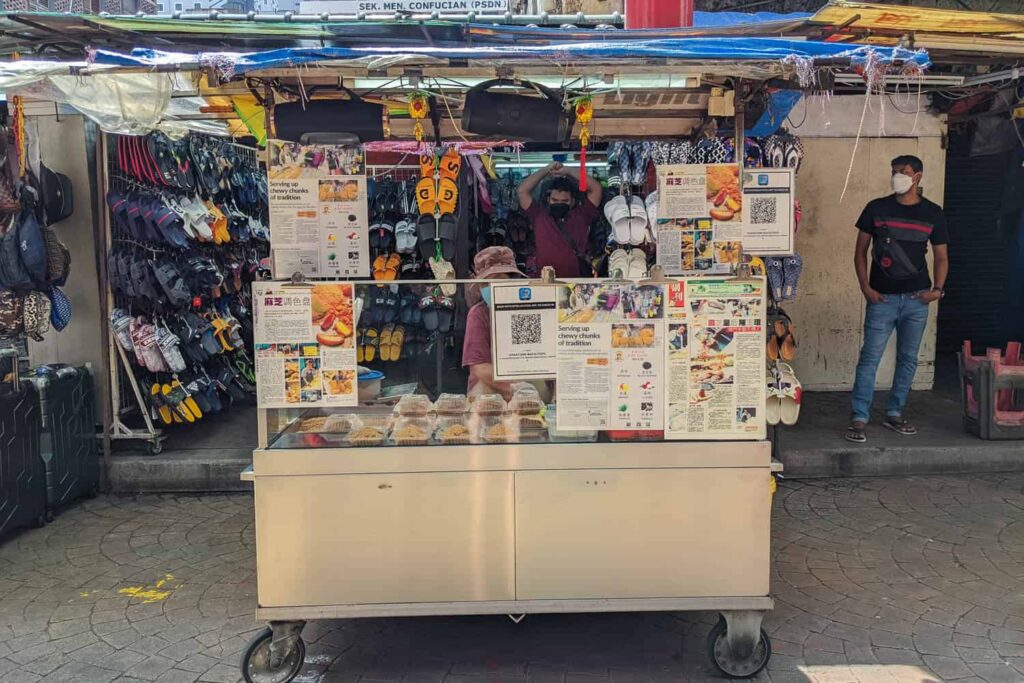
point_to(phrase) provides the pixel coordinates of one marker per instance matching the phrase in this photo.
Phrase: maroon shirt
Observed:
(476, 345)
(553, 246)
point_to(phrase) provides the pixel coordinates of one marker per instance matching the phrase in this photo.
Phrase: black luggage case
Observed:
(69, 447)
(22, 473)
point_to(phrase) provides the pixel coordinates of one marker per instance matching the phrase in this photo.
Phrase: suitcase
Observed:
(22, 473)
(68, 445)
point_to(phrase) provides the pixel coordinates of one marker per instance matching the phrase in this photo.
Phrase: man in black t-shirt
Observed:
(897, 230)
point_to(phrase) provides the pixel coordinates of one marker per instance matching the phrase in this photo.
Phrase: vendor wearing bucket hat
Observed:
(561, 224)
(492, 263)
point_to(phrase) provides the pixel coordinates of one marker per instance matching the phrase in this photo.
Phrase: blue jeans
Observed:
(907, 315)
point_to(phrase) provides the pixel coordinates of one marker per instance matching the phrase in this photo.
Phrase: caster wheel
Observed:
(39, 522)
(256, 661)
(730, 666)
(49, 516)
(155, 447)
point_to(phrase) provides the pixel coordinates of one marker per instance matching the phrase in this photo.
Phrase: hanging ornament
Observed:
(584, 113)
(418, 110)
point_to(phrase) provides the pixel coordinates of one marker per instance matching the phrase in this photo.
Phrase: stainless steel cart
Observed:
(512, 529)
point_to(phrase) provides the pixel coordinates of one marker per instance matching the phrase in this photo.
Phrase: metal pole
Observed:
(96, 153)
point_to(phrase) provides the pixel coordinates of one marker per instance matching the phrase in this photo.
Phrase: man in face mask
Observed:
(561, 225)
(898, 289)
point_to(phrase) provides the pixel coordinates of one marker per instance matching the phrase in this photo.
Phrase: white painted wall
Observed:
(829, 310)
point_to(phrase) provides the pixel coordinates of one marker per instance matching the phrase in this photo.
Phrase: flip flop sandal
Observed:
(227, 382)
(445, 313)
(372, 344)
(379, 264)
(360, 340)
(120, 322)
(783, 328)
(429, 314)
(174, 398)
(447, 233)
(157, 403)
(444, 270)
(447, 196)
(641, 160)
(392, 305)
(168, 344)
(636, 268)
(792, 394)
(428, 166)
(900, 426)
(775, 277)
(772, 347)
(450, 165)
(397, 339)
(792, 266)
(855, 434)
(385, 342)
(188, 401)
(426, 196)
(426, 231)
(211, 344)
(220, 332)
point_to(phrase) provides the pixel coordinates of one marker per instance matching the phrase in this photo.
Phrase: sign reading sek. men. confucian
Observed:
(390, 6)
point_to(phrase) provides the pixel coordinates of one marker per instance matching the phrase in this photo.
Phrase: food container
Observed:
(566, 435)
(413, 405)
(411, 431)
(365, 436)
(495, 430)
(526, 402)
(452, 431)
(530, 428)
(488, 404)
(311, 425)
(369, 384)
(340, 423)
(451, 404)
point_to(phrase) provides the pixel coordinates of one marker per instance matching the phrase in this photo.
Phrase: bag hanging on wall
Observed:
(507, 115)
(55, 195)
(354, 115)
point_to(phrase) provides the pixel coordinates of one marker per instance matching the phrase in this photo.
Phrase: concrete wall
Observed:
(829, 310)
(62, 147)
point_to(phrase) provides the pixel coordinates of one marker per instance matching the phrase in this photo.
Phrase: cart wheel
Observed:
(49, 516)
(155, 447)
(256, 661)
(39, 522)
(722, 657)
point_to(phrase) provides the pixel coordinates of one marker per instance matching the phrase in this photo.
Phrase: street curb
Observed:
(874, 461)
(185, 472)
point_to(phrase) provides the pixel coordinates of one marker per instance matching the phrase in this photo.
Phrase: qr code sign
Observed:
(762, 210)
(526, 328)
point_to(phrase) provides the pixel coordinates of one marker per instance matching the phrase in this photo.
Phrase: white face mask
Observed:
(901, 184)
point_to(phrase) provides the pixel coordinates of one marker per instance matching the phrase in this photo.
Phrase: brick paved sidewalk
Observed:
(903, 579)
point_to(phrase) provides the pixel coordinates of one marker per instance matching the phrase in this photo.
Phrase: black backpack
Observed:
(57, 199)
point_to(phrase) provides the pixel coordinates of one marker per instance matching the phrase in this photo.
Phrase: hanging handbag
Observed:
(354, 115)
(55, 195)
(508, 115)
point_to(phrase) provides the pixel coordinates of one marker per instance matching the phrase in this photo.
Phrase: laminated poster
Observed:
(611, 353)
(524, 326)
(768, 219)
(305, 345)
(318, 212)
(715, 359)
(700, 214)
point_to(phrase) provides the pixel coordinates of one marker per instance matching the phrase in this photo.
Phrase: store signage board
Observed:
(715, 359)
(524, 327)
(305, 345)
(699, 223)
(392, 6)
(318, 210)
(611, 354)
(769, 223)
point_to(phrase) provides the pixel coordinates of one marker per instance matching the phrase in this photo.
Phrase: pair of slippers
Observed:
(631, 265)
(785, 394)
(781, 342)
(173, 403)
(628, 218)
(631, 159)
(784, 276)
(385, 344)
(438, 313)
(436, 236)
(387, 267)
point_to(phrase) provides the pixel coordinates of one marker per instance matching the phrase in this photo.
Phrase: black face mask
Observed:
(559, 210)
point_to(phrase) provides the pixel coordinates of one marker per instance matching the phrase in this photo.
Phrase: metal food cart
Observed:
(507, 529)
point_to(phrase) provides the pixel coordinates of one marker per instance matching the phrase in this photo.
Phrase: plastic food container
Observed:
(567, 435)
(496, 430)
(365, 436)
(411, 431)
(311, 425)
(452, 431)
(413, 405)
(489, 404)
(340, 423)
(368, 385)
(526, 402)
(531, 428)
(451, 404)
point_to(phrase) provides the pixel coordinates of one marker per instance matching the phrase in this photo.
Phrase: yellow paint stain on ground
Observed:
(150, 594)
